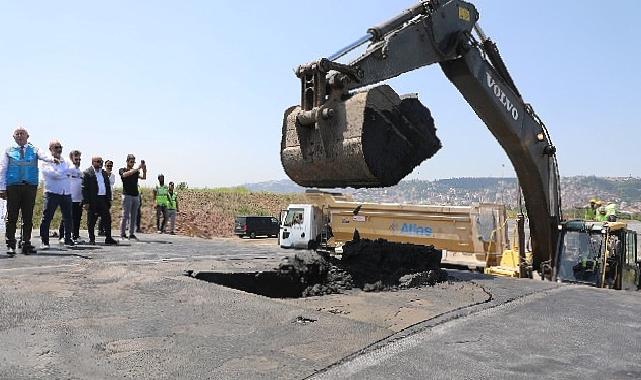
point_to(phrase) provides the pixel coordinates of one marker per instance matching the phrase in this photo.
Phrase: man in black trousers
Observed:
(96, 198)
(18, 185)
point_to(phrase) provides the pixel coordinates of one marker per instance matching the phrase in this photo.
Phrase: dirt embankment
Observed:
(210, 213)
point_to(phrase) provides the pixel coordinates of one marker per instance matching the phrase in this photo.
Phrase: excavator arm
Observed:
(342, 136)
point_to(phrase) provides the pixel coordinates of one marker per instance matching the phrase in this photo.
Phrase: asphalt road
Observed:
(129, 312)
(563, 333)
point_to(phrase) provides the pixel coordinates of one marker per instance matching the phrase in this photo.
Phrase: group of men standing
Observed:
(72, 190)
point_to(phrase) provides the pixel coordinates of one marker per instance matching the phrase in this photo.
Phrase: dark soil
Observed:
(370, 265)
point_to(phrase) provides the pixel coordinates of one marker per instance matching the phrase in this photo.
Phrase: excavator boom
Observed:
(343, 136)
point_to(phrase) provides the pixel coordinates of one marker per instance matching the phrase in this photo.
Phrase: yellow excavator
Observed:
(349, 131)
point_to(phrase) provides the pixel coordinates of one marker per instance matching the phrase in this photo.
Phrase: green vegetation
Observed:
(227, 190)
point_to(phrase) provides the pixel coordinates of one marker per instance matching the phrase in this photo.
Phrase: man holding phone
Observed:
(130, 195)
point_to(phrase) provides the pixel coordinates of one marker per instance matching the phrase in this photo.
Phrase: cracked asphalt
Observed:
(129, 312)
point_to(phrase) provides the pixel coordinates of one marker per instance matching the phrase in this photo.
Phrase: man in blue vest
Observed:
(18, 185)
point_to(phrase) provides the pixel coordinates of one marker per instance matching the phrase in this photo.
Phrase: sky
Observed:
(198, 88)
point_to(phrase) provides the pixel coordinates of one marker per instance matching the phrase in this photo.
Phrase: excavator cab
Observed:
(601, 254)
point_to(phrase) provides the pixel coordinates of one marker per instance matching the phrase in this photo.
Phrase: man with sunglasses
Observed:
(57, 193)
(96, 198)
(76, 197)
(130, 194)
(18, 185)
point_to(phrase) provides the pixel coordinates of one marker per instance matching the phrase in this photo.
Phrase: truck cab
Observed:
(301, 226)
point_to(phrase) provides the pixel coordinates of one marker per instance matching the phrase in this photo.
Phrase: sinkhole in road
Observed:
(370, 266)
(265, 283)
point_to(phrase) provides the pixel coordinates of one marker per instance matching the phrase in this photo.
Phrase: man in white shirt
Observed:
(109, 167)
(57, 192)
(76, 197)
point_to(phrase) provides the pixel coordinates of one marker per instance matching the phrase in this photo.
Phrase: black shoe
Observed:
(132, 236)
(92, 242)
(69, 243)
(28, 249)
(11, 251)
(111, 241)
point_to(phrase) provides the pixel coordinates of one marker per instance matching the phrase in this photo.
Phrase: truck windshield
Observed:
(579, 258)
(294, 216)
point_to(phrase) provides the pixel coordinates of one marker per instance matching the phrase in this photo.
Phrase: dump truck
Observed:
(470, 236)
(351, 131)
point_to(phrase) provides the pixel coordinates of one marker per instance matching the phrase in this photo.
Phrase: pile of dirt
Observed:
(384, 263)
(370, 265)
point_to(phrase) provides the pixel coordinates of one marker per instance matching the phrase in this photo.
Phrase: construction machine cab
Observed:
(601, 254)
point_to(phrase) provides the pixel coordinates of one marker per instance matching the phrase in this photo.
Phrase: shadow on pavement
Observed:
(61, 254)
(99, 245)
(462, 275)
(154, 242)
(83, 248)
(67, 249)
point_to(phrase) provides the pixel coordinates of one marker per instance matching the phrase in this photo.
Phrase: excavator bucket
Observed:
(373, 139)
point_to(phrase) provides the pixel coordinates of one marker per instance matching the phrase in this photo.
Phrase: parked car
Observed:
(253, 226)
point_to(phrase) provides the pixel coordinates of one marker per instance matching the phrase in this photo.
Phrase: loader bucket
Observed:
(374, 139)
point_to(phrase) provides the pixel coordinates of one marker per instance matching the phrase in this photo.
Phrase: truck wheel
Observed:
(252, 235)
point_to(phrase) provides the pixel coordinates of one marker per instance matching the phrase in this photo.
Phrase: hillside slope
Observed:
(210, 213)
